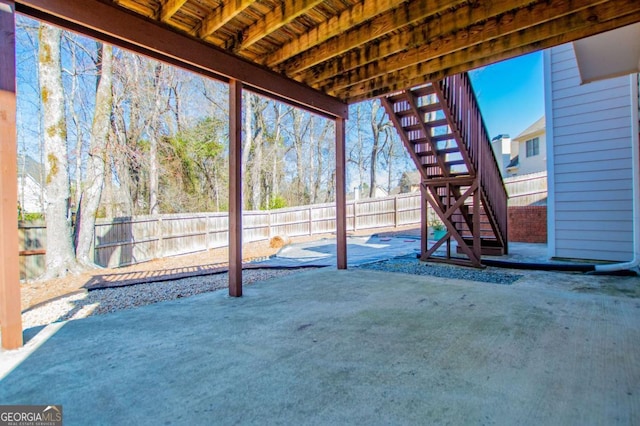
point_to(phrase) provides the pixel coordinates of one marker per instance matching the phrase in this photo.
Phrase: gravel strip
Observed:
(97, 302)
(411, 265)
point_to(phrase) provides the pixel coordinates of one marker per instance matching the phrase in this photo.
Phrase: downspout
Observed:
(635, 167)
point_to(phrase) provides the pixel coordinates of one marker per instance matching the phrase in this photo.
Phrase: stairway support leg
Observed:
(424, 222)
(448, 205)
(476, 223)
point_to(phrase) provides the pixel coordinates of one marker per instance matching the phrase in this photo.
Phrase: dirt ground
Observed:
(36, 292)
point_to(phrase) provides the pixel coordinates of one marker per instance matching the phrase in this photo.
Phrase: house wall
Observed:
(502, 152)
(29, 195)
(589, 139)
(535, 164)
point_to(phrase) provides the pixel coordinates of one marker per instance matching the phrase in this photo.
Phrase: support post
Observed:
(235, 188)
(10, 303)
(341, 195)
(395, 211)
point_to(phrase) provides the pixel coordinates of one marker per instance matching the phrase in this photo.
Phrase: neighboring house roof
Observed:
(537, 127)
(501, 136)
(27, 166)
(515, 162)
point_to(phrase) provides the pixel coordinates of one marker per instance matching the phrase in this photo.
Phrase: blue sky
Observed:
(510, 93)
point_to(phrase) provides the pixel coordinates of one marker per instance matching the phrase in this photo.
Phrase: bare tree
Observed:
(60, 257)
(357, 145)
(379, 123)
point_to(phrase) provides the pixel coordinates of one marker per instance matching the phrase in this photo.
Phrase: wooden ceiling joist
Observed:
(409, 48)
(282, 15)
(121, 28)
(449, 21)
(417, 74)
(358, 14)
(508, 30)
(169, 8)
(220, 16)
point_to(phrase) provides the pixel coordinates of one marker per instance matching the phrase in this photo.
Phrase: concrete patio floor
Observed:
(351, 347)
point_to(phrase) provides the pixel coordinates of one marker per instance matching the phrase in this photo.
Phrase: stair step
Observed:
(454, 162)
(430, 108)
(417, 92)
(423, 90)
(452, 174)
(430, 124)
(451, 150)
(440, 138)
(413, 128)
(487, 247)
(438, 123)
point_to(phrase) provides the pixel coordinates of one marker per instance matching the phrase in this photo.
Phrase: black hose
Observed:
(564, 267)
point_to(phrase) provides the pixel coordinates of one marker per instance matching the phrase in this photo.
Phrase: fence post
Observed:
(310, 220)
(269, 224)
(355, 215)
(160, 249)
(395, 211)
(207, 230)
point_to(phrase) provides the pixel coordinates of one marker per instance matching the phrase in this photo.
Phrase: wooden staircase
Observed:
(441, 126)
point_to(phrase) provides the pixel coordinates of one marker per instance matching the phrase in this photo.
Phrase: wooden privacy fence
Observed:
(525, 190)
(126, 241)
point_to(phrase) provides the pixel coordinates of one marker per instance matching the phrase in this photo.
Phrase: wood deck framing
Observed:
(348, 49)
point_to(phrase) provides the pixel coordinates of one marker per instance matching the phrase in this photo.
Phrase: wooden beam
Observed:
(118, 27)
(408, 48)
(221, 15)
(497, 50)
(341, 195)
(450, 20)
(282, 15)
(10, 303)
(235, 188)
(359, 13)
(169, 8)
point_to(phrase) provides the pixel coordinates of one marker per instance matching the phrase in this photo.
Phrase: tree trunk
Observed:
(373, 170)
(60, 257)
(153, 176)
(256, 166)
(154, 207)
(247, 103)
(92, 191)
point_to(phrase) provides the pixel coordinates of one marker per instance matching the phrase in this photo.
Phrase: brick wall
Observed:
(528, 224)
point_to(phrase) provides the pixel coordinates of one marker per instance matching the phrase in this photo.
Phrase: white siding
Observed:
(589, 145)
(30, 195)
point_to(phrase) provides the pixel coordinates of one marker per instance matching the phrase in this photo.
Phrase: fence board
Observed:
(32, 236)
(525, 190)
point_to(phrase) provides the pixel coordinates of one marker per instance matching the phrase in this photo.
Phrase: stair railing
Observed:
(461, 101)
